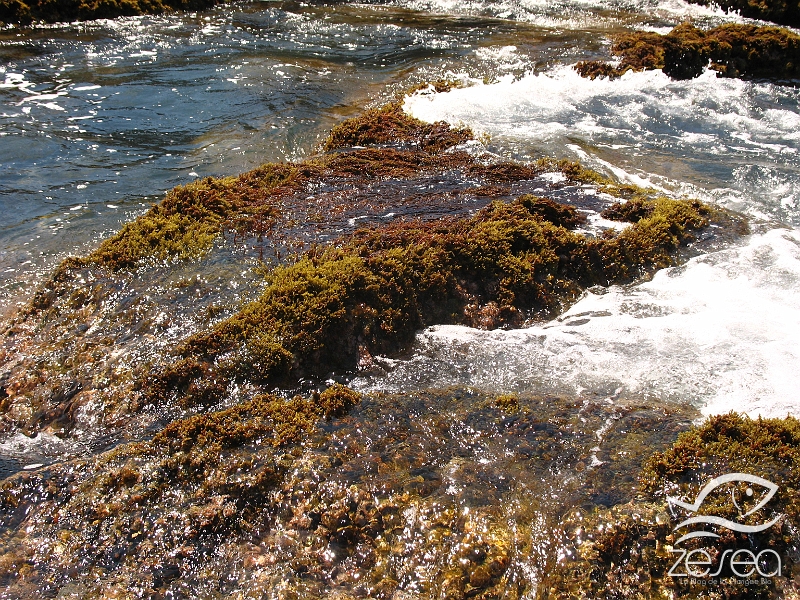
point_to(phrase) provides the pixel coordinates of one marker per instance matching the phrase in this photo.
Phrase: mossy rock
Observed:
(321, 495)
(373, 292)
(629, 551)
(732, 50)
(390, 124)
(324, 312)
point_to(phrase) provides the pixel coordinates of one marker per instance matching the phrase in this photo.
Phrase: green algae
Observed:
(186, 222)
(626, 552)
(509, 262)
(53, 11)
(733, 50)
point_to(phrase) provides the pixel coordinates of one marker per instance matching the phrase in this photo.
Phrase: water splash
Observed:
(719, 332)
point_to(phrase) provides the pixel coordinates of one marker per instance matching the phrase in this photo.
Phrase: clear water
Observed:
(98, 119)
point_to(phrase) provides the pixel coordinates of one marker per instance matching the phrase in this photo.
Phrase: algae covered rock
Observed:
(732, 50)
(135, 516)
(53, 11)
(748, 547)
(784, 12)
(436, 494)
(372, 293)
(308, 270)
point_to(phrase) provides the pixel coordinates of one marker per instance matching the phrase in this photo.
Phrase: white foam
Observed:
(42, 443)
(642, 127)
(570, 13)
(719, 332)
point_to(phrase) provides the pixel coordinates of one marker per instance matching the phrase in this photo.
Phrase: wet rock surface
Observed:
(639, 548)
(54, 11)
(732, 50)
(148, 391)
(448, 493)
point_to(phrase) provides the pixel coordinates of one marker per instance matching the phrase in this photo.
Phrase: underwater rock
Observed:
(434, 494)
(631, 550)
(733, 50)
(53, 11)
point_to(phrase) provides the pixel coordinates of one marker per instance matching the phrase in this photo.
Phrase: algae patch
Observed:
(299, 294)
(390, 124)
(53, 11)
(628, 551)
(732, 50)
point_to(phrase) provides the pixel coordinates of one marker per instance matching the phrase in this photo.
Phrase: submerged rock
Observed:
(639, 549)
(441, 494)
(732, 50)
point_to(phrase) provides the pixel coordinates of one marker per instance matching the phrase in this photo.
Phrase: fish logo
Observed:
(741, 500)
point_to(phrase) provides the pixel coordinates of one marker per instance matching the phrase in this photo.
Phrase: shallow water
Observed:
(406, 495)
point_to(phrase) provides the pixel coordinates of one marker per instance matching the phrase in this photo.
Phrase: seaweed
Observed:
(148, 504)
(268, 495)
(627, 550)
(389, 124)
(325, 309)
(186, 222)
(283, 422)
(733, 50)
(53, 11)
(510, 262)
